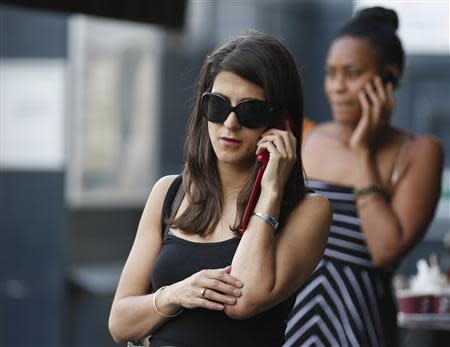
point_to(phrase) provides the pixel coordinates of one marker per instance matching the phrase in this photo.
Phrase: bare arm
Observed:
(273, 266)
(392, 228)
(133, 314)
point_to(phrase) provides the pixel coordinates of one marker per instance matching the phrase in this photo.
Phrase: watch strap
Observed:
(269, 219)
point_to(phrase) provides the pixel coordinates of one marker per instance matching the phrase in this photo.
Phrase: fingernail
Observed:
(237, 292)
(239, 284)
(219, 307)
(231, 300)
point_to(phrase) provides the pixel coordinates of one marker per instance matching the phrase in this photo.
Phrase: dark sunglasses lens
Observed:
(254, 114)
(214, 108)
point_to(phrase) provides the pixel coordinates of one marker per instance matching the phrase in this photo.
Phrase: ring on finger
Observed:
(202, 292)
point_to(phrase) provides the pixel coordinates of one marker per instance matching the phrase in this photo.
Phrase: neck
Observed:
(344, 130)
(233, 180)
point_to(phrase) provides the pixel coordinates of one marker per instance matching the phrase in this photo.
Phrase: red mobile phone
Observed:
(263, 158)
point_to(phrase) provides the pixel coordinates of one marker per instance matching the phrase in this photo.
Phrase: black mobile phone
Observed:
(387, 76)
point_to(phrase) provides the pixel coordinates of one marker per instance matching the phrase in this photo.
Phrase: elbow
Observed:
(386, 258)
(383, 261)
(115, 331)
(238, 313)
(251, 302)
(120, 340)
(242, 309)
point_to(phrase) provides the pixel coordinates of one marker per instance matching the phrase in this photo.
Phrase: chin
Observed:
(345, 117)
(233, 159)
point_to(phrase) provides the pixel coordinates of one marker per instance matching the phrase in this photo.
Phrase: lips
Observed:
(230, 141)
(341, 103)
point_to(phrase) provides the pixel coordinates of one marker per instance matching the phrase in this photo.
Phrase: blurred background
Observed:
(94, 98)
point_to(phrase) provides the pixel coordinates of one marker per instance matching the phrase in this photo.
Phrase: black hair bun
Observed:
(379, 16)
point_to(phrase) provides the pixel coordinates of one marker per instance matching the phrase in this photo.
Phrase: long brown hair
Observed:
(265, 61)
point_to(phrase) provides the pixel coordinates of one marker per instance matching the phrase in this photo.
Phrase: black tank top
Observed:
(179, 259)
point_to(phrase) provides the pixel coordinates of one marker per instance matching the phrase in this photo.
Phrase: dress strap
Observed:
(170, 201)
(399, 160)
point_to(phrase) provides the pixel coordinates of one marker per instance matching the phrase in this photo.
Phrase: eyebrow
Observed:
(347, 65)
(217, 93)
(244, 99)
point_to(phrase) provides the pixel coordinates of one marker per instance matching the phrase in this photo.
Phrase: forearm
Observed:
(135, 317)
(366, 171)
(254, 261)
(379, 223)
(382, 230)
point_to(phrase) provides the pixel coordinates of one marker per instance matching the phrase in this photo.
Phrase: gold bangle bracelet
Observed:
(370, 190)
(368, 200)
(156, 308)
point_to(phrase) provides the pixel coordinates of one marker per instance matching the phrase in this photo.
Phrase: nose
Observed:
(338, 82)
(232, 121)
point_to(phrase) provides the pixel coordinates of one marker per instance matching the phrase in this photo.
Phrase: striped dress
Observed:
(347, 301)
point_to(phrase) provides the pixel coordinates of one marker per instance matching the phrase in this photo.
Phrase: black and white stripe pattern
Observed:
(347, 300)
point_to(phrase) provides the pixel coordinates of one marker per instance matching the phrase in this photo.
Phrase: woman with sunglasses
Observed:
(383, 183)
(195, 280)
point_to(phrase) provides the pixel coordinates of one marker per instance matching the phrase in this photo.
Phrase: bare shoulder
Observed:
(425, 152)
(422, 171)
(161, 186)
(151, 217)
(315, 147)
(324, 126)
(320, 130)
(427, 145)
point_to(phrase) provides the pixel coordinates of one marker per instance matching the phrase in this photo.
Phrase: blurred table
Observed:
(428, 321)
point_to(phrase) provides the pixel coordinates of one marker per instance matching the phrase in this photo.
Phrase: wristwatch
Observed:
(269, 219)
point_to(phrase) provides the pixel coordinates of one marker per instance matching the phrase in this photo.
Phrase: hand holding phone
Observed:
(377, 103)
(263, 159)
(386, 77)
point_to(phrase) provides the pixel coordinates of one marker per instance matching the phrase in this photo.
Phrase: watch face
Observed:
(272, 221)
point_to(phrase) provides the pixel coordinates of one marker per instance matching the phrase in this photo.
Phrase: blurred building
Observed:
(93, 111)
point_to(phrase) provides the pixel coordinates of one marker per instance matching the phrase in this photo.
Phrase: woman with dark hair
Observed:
(194, 279)
(383, 183)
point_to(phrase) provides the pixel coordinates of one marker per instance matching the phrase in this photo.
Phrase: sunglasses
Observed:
(250, 113)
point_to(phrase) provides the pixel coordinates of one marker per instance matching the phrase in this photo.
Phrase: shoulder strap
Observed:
(398, 161)
(168, 201)
(175, 206)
